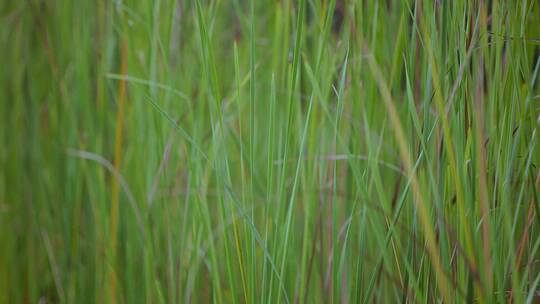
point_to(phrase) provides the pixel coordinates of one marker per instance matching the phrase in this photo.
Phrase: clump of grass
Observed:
(270, 151)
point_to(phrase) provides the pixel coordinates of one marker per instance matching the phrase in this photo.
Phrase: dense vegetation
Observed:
(235, 151)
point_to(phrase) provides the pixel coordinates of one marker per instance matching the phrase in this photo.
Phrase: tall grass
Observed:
(310, 151)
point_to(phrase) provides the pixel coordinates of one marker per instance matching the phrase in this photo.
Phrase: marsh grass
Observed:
(270, 151)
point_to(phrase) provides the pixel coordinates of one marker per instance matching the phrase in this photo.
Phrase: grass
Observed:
(310, 151)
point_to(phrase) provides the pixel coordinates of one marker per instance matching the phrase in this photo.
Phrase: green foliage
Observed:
(310, 151)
